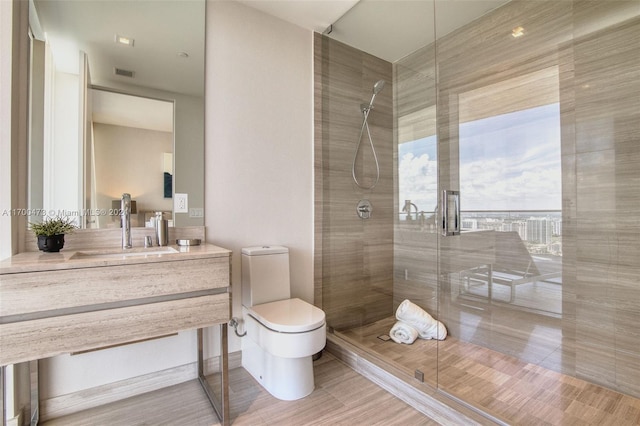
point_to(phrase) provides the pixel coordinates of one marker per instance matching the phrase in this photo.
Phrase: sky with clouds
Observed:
(507, 162)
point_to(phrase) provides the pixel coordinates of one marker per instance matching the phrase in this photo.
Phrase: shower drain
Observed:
(384, 337)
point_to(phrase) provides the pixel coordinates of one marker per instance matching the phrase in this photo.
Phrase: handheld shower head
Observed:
(366, 109)
(377, 88)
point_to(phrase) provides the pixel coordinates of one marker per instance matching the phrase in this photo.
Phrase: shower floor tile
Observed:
(501, 385)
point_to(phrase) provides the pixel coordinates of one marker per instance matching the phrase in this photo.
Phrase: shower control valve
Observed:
(364, 209)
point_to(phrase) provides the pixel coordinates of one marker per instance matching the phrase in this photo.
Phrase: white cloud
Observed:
(497, 185)
(509, 162)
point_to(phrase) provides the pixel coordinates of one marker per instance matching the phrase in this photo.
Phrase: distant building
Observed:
(539, 230)
(470, 224)
(521, 228)
(557, 227)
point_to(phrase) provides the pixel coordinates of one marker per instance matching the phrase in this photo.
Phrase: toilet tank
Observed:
(265, 275)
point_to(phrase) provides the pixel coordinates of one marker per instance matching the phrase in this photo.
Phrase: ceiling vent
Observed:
(123, 73)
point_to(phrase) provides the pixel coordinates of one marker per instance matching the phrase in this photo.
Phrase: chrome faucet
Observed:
(407, 209)
(125, 215)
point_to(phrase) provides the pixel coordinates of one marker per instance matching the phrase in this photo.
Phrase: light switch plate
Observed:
(196, 212)
(180, 203)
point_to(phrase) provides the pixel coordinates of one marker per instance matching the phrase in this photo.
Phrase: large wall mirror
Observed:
(116, 105)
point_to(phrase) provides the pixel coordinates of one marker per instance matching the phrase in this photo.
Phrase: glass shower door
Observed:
(415, 263)
(500, 279)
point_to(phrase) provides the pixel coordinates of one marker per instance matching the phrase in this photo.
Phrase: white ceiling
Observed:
(131, 111)
(315, 15)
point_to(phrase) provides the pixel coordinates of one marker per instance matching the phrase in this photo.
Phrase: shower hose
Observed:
(365, 125)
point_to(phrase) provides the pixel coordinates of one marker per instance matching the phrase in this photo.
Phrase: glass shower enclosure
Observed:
(506, 138)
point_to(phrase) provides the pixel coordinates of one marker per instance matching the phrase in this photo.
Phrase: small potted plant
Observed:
(50, 232)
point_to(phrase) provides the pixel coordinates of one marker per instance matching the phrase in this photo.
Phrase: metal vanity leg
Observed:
(221, 407)
(3, 408)
(35, 392)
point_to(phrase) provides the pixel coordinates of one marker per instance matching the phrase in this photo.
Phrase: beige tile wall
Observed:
(607, 155)
(354, 257)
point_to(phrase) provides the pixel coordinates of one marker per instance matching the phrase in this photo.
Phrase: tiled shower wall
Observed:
(606, 260)
(354, 257)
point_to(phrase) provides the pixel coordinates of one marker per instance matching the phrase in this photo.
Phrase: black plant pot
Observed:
(51, 244)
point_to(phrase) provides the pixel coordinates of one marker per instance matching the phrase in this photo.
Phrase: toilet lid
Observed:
(289, 315)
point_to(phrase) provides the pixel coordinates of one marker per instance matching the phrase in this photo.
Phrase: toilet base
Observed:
(285, 378)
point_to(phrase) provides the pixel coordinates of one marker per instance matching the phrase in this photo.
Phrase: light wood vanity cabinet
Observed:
(54, 303)
(52, 312)
(46, 291)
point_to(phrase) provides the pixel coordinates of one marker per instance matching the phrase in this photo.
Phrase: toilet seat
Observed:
(288, 316)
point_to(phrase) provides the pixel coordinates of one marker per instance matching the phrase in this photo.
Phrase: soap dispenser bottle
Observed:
(162, 230)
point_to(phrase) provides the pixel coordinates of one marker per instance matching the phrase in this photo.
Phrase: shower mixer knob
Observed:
(364, 209)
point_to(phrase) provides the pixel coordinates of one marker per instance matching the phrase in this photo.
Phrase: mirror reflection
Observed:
(117, 105)
(125, 129)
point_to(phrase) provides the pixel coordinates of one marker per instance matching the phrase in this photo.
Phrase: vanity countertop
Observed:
(78, 259)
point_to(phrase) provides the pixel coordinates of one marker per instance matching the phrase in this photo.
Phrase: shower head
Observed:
(377, 88)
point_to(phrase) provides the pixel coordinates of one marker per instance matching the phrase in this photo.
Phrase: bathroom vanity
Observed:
(77, 300)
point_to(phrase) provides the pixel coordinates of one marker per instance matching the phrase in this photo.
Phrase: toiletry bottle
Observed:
(162, 230)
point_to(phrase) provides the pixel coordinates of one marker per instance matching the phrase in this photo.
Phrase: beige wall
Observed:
(258, 151)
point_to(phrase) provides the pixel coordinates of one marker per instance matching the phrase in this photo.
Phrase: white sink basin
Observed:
(123, 253)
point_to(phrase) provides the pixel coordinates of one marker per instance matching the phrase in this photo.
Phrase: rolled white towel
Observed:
(403, 333)
(427, 326)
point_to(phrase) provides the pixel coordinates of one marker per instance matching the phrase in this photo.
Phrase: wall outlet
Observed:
(196, 212)
(180, 203)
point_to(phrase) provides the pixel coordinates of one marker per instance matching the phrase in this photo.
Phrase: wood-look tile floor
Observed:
(519, 392)
(341, 397)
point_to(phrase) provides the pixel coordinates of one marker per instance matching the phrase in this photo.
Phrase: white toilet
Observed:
(282, 333)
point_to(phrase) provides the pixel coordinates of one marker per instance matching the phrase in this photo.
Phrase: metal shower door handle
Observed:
(450, 212)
